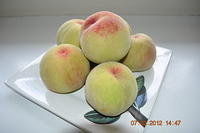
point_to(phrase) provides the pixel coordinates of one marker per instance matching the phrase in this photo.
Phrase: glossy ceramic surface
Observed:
(72, 107)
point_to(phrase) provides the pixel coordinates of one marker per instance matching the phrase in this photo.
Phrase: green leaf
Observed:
(97, 118)
(140, 82)
(141, 98)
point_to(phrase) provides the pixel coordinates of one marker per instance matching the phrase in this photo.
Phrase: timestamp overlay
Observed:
(156, 122)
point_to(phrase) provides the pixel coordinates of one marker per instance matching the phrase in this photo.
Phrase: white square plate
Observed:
(72, 107)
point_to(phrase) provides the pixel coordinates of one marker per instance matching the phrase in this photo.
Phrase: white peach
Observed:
(105, 36)
(69, 32)
(142, 53)
(111, 88)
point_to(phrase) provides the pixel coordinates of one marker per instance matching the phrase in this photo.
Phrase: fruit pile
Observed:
(103, 41)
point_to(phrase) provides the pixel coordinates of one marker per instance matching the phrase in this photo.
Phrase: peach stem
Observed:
(138, 115)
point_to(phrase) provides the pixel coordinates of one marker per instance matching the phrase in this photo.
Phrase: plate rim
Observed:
(44, 107)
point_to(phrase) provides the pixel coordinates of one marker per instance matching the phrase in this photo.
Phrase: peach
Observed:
(111, 88)
(142, 53)
(105, 36)
(64, 68)
(69, 32)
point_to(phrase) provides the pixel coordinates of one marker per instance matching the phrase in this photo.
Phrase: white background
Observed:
(22, 39)
(77, 7)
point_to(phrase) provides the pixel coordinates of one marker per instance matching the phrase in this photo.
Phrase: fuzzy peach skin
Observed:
(69, 32)
(111, 88)
(142, 53)
(64, 68)
(105, 36)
